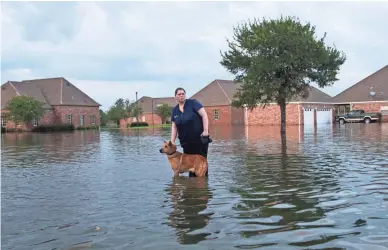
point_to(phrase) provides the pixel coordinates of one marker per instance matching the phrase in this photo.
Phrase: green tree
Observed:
(136, 111)
(276, 60)
(164, 111)
(24, 109)
(103, 118)
(120, 103)
(115, 114)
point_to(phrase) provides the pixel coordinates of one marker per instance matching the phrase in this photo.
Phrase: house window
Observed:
(35, 122)
(69, 119)
(81, 120)
(216, 114)
(92, 119)
(3, 122)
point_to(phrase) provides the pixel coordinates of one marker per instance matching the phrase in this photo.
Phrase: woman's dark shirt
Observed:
(189, 123)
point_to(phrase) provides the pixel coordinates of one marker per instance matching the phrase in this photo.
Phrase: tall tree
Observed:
(164, 111)
(136, 111)
(24, 109)
(276, 60)
(120, 103)
(115, 114)
(103, 118)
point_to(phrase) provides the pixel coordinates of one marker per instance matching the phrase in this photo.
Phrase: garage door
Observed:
(308, 116)
(324, 116)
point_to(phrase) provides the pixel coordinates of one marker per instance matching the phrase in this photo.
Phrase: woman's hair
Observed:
(176, 91)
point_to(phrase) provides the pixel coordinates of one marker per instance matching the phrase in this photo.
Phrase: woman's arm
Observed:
(174, 132)
(205, 121)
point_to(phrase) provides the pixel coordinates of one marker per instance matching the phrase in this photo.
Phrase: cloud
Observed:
(111, 50)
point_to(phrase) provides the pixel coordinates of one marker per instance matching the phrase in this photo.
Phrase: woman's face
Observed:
(180, 96)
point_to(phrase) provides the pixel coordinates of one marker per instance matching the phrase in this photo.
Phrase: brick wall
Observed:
(270, 115)
(147, 117)
(224, 114)
(60, 115)
(47, 118)
(237, 115)
(371, 107)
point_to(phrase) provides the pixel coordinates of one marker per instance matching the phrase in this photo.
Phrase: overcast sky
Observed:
(112, 50)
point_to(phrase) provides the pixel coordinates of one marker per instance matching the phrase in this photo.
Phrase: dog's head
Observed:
(168, 148)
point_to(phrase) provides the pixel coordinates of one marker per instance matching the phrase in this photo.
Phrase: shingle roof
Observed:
(221, 92)
(218, 92)
(361, 91)
(50, 91)
(315, 95)
(146, 103)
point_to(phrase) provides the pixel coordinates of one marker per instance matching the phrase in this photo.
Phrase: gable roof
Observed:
(146, 103)
(218, 92)
(221, 92)
(315, 95)
(359, 92)
(50, 91)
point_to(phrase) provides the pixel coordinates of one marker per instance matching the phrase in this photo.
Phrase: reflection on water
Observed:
(112, 189)
(188, 199)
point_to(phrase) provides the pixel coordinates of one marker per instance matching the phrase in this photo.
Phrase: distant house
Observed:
(218, 95)
(316, 108)
(217, 98)
(149, 106)
(369, 94)
(63, 102)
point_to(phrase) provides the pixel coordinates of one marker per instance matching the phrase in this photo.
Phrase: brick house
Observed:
(216, 98)
(369, 94)
(218, 95)
(149, 106)
(314, 109)
(63, 102)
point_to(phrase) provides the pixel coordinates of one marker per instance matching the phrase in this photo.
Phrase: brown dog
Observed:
(181, 162)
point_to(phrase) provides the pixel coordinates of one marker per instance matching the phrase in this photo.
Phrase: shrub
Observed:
(2, 130)
(87, 127)
(54, 128)
(138, 124)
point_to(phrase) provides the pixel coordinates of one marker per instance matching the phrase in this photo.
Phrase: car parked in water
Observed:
(358, 115)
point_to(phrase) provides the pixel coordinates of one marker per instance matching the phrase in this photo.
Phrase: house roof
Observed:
(146, 103)
(221, 92)
(217, 93)
(50, 91)
(361, 91)
(315, 95)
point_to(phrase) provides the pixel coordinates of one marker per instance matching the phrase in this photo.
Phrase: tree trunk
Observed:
(282, 105)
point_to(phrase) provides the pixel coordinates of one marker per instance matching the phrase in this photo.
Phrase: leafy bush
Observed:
(53, 128)
(138, 124)
(87, 127)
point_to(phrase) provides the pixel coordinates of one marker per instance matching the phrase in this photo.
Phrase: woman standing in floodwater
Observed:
(189, 120)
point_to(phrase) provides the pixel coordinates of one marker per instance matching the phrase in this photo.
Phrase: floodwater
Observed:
(112, 189)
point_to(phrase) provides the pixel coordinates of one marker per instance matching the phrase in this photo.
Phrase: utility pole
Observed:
(137, 109)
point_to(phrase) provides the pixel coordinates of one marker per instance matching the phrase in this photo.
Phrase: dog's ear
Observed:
(169, 143)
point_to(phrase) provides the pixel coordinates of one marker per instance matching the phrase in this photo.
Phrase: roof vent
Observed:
(372, 93)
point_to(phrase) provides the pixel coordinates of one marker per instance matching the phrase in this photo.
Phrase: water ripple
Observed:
(114, 190)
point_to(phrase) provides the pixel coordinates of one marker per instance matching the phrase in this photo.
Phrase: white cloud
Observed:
(110, 50)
